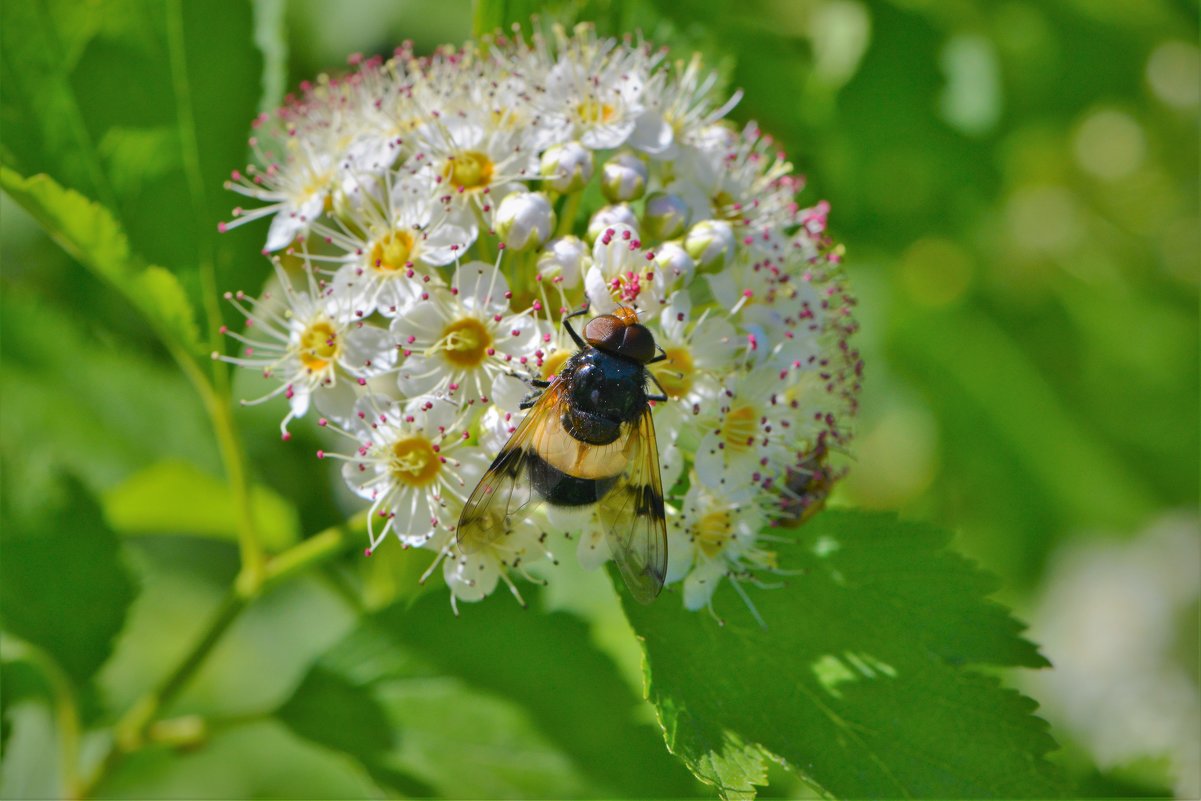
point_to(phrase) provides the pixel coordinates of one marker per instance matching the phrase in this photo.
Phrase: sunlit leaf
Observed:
(177, 497)
(864, 679)
(87, 231)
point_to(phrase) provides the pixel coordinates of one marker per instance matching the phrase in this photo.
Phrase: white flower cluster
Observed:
(434, 218)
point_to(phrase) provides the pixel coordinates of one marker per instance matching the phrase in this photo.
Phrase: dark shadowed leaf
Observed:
(63, 584)
(544, 664)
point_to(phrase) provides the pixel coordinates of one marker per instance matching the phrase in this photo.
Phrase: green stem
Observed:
(483, 242)
(218, 405)
(571, 207)
(130, 731)
(66, 714)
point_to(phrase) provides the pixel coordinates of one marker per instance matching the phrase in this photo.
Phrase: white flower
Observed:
(393, 173)
(308, 344)
(388, 246)
(700, 354)
(413, 463)
(753, 430)
(677, 103)
(460, 340)
(594, 90)
(622, 273)
(714, 536)
(474, 162)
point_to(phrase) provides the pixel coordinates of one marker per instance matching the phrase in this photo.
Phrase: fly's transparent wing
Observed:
(633, 517)
(505, 490)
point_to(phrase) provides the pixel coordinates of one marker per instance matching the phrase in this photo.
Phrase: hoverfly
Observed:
(588, 439)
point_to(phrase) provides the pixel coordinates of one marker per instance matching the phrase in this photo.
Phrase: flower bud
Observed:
(524, 220)
(608, 216)
(565, 259)
(674, 262)
(710, 243)
(567, 167)
(665, 216)
(624, 178)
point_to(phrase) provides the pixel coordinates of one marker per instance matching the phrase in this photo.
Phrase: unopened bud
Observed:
(567, 167)
(608, 216)
(710, 243)
(624, 178)
(524, 220)
(665, 216)
(565, 259)
(674, 262)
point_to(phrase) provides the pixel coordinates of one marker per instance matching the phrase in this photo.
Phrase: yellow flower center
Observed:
(415, 462)
(712, 531)
(392, 252)
(318, 346)
(469, 170)
(553, 363)
(738, 429)
(724, 206)
(465, 342)
(676, 374)
(593, 111)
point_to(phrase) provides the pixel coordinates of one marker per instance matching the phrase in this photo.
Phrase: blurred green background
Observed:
(1016, 184)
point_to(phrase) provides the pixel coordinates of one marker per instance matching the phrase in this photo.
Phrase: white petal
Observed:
(368, 350)
(482, 288)
(710, 460)
(680, 553)
(337, 400)
(598, 292)
(592, 550)
(472, 577)
(438, 247)
(701, 582)
(652, 134)
(284, 229)
(421, 376)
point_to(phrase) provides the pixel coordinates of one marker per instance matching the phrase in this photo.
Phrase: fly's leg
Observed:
(580, 343)
(662, 396)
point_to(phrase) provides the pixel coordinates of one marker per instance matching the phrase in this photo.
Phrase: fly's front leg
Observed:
(580, 343)
(536, 383)
(529, 400)
(662, 355)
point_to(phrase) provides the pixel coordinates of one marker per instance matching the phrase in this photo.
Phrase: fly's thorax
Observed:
(606, 386)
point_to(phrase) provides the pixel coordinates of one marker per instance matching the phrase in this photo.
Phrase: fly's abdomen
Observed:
(562, 489)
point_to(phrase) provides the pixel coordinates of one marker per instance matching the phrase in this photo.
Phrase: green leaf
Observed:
(865, 679)
(139, 411)
(144, 107)
(63, 584)
(328, 709)
(88, 232)
(544, 664)
(175, 497)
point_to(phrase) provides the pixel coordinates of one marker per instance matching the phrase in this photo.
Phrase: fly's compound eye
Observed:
(638, 343)
(605, 332)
